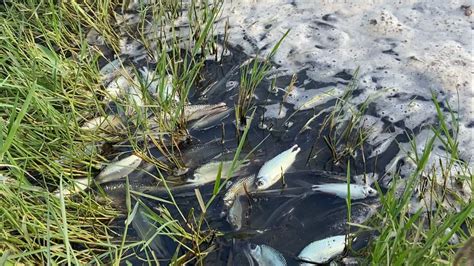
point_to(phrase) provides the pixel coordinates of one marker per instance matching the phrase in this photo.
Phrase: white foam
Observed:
(275, 111)
(405, 51)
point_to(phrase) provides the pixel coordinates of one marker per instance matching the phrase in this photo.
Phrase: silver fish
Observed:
(239, 188)
(321, 251)
(104, 123)
(194, 112)
(266, 256)
(78, 185)
(208, 172)
(340, 190)
(274, 169)
(236, 213)
(119, 169)
(117, 87)
(210, 120)
(111, 70)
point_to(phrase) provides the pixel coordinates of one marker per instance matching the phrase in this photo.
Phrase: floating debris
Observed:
(321, 251)
(266, 256)
(340, 190)
(274, 169)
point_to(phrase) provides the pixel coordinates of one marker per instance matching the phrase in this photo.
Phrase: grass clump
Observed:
(427, 217)
(50, 86)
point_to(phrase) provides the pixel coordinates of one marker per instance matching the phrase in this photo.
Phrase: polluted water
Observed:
(272, 183)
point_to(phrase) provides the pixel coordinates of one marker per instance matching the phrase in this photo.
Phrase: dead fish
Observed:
(321, 251)
(274, 169)
(239, 188)
(210, 120)
(111, 70)
(78, 185)
(208, 172)
(340, 190)
(119, 169)
(117, 87)
(194, 112)
(94, 38)
(133, 48)
(236, 214)
(159, 87)
(104, 123)
(266, 256)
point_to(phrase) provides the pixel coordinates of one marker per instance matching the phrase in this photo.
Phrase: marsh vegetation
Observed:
(124, 124)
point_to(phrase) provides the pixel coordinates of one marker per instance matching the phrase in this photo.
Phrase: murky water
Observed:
(323, 51)
(286, 217)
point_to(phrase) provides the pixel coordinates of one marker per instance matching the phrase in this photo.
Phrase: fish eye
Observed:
(253, 246)
(260, 183)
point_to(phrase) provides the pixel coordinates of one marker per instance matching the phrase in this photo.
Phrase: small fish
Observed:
(133, 48)
(208, 172)
(236, 213)
(321, 251)
(266, 256)
(78, 185)
(94, 38)
(194, 112)
(111, 70)
(340, 190)
(239, 188)
(119, 169)
(210, 120)
(153, 82)
(274, 169)
(104, 123)
(118, 87)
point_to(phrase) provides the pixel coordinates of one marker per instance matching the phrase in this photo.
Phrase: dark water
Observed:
(288, 216)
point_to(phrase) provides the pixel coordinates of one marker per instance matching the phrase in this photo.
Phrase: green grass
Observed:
(423, 238)
(49, 86)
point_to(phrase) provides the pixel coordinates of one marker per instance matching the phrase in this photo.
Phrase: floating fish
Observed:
(150, 231)
(194, 112)
(321, 251)
(236, 214)
(104, 123)
(119, 169)
(274, 169)
(210, 120)
(78, 185)
(208, 172)
(111, 70)
(266, 256)
(159, 87)
(239, 188)
(118, 87)
(316, 97)
(340, 190)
